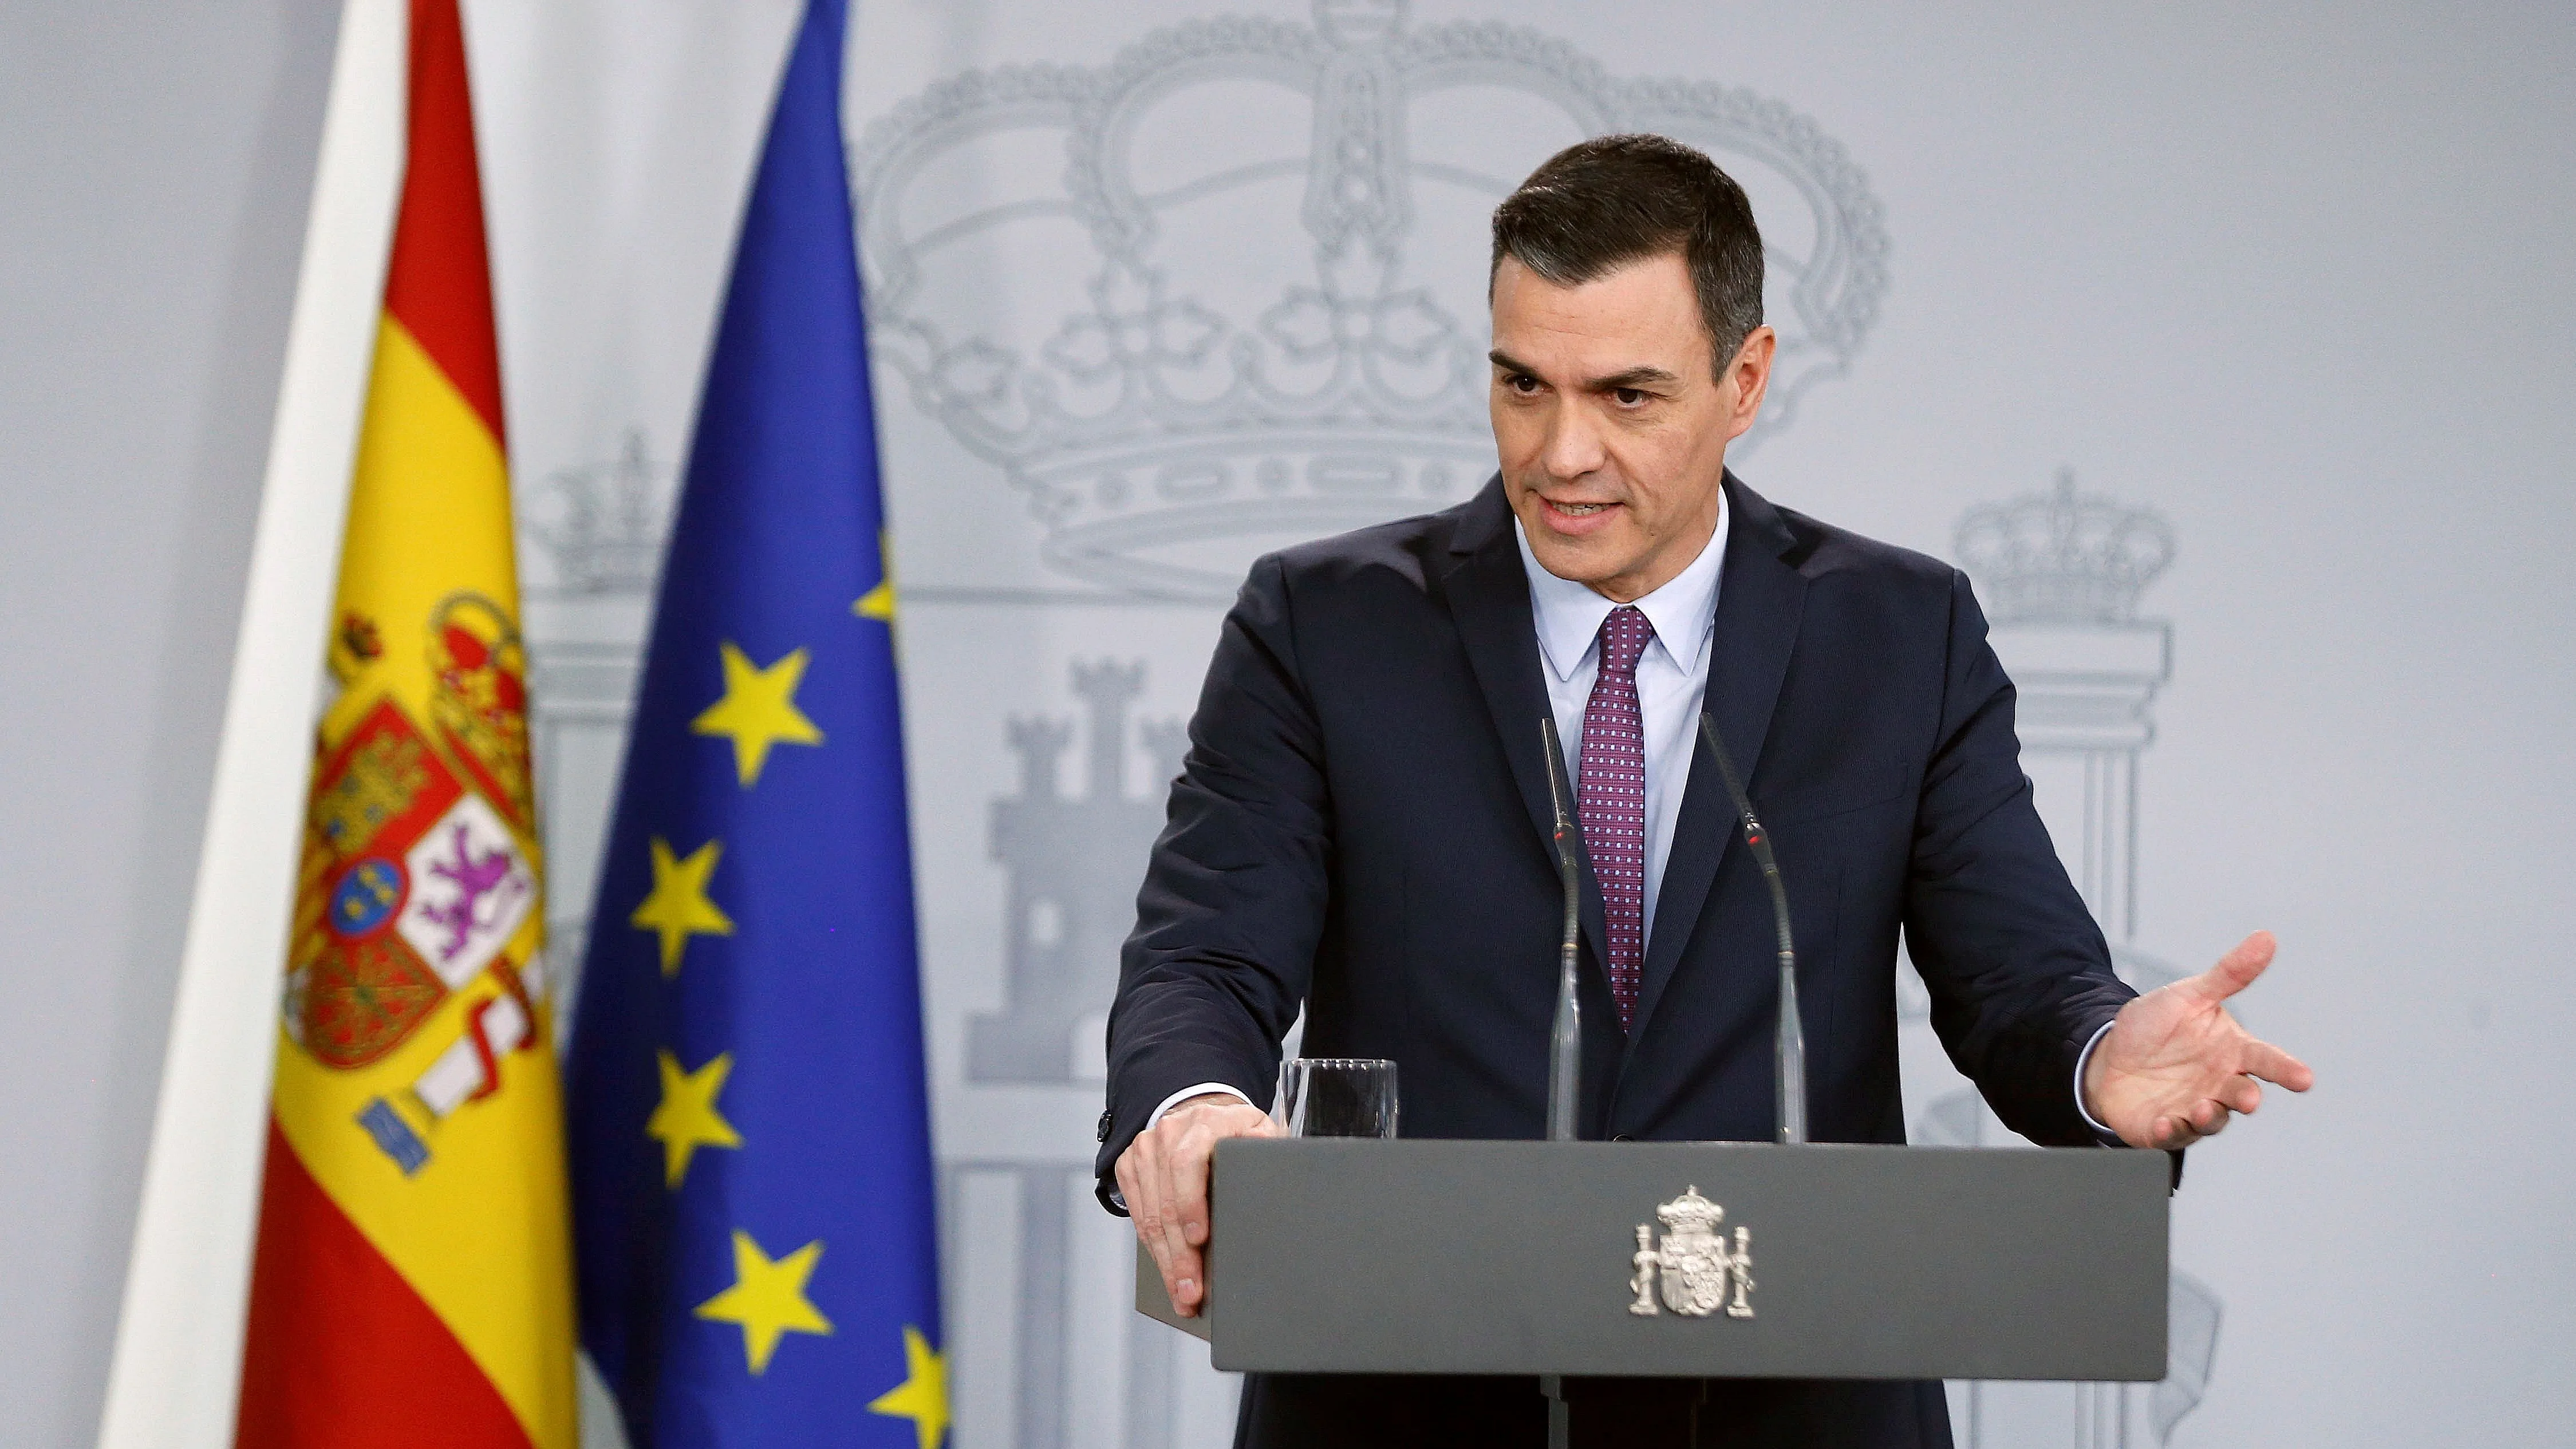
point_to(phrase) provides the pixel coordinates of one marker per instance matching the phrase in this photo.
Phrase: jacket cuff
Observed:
(1120, 1124)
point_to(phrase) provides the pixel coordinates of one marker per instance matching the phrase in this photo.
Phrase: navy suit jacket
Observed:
(1361, 828)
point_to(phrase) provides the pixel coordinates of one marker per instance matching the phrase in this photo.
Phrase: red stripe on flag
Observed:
(439, 283)
(341, 1350)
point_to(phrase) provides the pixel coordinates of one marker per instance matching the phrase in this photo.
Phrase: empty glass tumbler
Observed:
(1336, 1097)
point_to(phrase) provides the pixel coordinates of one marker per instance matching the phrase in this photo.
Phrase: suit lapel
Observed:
(1760, 599)
(1489, 599)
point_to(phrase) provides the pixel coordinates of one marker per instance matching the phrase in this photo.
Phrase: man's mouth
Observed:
(1575, 517)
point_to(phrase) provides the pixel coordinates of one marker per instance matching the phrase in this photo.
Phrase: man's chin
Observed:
(1572, 562)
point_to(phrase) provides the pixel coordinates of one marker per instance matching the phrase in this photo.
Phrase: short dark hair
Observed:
(1603, 203)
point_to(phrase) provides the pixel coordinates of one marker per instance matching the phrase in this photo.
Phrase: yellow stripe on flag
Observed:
(429, 517)
(479, 1228)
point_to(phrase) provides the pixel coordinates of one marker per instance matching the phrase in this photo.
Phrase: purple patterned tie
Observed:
(1612, 799)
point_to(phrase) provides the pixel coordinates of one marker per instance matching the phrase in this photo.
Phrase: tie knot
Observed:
(1623, 639)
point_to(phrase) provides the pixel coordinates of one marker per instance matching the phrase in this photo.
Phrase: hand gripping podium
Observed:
(1710, 1260)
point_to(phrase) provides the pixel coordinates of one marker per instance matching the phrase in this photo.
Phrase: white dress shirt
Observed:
(1672, 679)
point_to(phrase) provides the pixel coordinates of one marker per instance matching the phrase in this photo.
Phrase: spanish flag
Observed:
(412, 1284)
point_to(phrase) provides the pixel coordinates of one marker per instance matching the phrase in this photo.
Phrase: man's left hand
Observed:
(2174, 1065)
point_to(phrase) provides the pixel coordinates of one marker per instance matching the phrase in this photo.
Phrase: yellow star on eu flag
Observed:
(767, 1298)
(878, 603)
(687, 1119)
(922, 1397)
(758, 710)
(678, 908)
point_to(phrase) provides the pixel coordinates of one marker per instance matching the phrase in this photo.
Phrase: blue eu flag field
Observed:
(749, 1127)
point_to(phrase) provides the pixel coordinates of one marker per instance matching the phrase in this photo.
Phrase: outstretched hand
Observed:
(2175, 1065)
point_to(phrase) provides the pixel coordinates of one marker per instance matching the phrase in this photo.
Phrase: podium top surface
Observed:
(1828, 1261)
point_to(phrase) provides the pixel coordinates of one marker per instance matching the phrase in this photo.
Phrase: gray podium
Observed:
(1366, 1256)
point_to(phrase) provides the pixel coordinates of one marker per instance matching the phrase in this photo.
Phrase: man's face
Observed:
(1611, 428)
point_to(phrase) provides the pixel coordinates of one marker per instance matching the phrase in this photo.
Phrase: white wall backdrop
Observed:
(155, 163)
(2267, 312)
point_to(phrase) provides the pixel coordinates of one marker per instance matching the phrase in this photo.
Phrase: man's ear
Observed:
(1747, 379)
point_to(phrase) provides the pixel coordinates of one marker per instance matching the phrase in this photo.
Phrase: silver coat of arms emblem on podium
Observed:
(1695, 1272)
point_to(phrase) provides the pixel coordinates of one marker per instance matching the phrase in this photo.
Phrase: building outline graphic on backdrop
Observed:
(2059, 574)
(1072, 863)
(1147, 432)
(598, 529)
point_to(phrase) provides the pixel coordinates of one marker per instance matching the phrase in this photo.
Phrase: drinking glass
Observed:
(1336, 1097)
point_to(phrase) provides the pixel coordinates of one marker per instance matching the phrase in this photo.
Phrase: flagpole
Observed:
(173, 1381)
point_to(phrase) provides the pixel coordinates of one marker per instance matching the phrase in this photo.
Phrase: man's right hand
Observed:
(1163, 1175)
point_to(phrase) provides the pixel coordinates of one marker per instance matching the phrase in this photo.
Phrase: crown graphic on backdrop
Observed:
(2062, 556)
(603, 523)
(1228, 342)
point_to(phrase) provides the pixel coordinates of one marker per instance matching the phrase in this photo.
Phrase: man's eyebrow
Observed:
(1634, 377)
(1638, 377)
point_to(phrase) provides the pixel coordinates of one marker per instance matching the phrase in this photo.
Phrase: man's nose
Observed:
(1573, 446)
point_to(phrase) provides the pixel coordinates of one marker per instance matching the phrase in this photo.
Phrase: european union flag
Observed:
(750, 1132)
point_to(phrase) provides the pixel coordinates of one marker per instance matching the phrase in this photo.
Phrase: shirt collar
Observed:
(1683, 611)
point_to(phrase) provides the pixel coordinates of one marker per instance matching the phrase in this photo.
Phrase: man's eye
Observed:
(1628, 397)
(1522, 383)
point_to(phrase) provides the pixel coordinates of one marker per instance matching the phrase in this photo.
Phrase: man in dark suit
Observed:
(1361, 826)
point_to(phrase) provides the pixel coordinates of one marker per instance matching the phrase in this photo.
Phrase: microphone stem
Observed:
(1564, 1054)
(1789, 1046)
(1791, 1053)
(1565, 1036)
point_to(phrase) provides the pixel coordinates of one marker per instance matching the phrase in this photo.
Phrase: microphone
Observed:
(1790, 1047)
(1565, 1040)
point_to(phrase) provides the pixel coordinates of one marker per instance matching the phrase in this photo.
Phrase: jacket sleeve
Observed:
(1235, 896)
(2019, 974)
